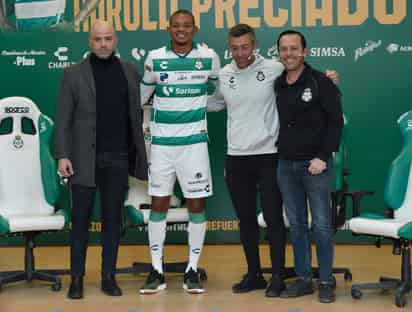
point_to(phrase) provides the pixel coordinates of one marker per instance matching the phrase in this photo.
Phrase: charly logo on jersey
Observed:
(138, 54)
(164, 65)
(307, 95)
(232, 82)
(368, 48)
(393, 48)
(260, 76)
(25, 58)
(61, 60)
(18, 142)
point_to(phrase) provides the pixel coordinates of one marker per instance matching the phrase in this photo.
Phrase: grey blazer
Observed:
(75, 132)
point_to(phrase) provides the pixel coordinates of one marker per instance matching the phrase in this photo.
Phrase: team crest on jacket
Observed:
(307, 95)
(260, 76)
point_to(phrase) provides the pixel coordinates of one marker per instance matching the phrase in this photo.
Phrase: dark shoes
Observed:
(248, 283)
(298, 288)
(76, 288)
(110, 287)
(326, 293)
(276, 286)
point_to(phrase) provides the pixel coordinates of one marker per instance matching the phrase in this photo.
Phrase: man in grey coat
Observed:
(98, 143)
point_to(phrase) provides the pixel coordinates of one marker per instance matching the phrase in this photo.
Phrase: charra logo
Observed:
(369, 47)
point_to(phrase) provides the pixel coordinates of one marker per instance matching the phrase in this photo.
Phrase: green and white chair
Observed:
(29, 186)
(394, 224)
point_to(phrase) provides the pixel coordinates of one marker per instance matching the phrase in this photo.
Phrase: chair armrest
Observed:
(356, 200)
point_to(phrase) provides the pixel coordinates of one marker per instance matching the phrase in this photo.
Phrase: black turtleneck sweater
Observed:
(112, 104)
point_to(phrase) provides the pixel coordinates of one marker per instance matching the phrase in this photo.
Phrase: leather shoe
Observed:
(76, 288)
(110, 287)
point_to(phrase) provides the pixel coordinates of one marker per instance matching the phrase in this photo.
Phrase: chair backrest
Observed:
(28, 179)
(398, 190)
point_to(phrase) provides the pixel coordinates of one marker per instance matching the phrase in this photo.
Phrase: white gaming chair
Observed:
(29, 187)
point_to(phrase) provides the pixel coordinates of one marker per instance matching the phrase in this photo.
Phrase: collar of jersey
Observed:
(169, 48)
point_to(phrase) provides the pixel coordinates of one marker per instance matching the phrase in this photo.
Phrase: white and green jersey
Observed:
(181, 85)
(38, 14)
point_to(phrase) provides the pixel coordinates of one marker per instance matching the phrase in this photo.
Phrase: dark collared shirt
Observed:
(310, 115)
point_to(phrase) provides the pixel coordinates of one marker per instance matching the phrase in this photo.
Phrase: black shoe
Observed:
(192, 283)
(110, 287)
(155, 282)
(76, 288)
(248, 283)
(298, 288)
(276, 286)
(326, 293)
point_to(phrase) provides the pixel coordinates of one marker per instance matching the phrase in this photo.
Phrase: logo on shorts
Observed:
(198, 175)
(207, 188)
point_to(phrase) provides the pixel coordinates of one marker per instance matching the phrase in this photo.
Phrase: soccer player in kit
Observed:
(179, 75)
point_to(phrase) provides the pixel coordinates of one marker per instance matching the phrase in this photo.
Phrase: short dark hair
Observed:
(293, 32)
(241, 30)
(182, 11)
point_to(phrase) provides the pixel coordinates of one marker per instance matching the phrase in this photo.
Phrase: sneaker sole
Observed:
(306, 293)
(193, 291)
(145, 291)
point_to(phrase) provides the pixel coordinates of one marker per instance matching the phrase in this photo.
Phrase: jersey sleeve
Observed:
(148, 82)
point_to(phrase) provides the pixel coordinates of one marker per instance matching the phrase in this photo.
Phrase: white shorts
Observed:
(189, 163)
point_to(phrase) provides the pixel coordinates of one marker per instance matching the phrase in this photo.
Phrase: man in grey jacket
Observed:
(98, 142)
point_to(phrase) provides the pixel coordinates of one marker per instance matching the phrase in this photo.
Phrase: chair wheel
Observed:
(347, 276)
(400, 301)
(203, 275)
(56, 286)
(356, 294)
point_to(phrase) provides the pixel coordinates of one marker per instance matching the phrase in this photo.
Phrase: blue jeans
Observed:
(298, 187)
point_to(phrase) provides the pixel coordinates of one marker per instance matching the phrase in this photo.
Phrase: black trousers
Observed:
(245, 177)
(112, 183)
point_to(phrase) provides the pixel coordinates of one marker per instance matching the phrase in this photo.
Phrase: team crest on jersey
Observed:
(198, 64)
(307, 95)
(260, 76)
(18, 142)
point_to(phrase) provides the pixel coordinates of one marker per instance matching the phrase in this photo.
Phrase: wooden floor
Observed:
(224, 264)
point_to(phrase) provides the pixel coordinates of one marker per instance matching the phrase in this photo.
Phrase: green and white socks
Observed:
(157, 234)
(196, 232)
